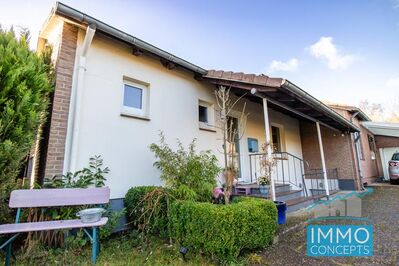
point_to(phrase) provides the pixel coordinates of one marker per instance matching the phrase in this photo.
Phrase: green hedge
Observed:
(224, 230)
(134, 209)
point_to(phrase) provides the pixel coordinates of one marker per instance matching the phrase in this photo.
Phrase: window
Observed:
(371, 143)
(371, 146)
(203, 114)
(135, 99)
(206, 116)
(253, 145)
(276, 139)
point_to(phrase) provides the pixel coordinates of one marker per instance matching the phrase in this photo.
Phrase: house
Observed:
(373, 145)
(363, 148)
(115, 92)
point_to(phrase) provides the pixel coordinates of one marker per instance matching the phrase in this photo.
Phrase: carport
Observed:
(387, 142)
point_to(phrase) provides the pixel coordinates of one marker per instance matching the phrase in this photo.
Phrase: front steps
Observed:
(294, 198)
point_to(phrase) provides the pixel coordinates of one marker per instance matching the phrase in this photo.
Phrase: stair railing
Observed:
(316, 184)
(289, 169)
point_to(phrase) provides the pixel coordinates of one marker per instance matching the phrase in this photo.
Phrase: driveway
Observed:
(381, 207)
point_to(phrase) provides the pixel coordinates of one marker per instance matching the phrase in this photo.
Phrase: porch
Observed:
(295, 182)
(284, 192)
(278, 110)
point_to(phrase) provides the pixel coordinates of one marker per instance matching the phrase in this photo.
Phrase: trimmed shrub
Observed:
(223, 231)
(135, 204)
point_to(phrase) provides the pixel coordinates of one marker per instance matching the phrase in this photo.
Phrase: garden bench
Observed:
(37, 198)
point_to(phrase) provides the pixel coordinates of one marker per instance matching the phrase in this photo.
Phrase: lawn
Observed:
(123, 249)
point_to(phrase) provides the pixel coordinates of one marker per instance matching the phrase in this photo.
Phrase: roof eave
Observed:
(309, 99)
(82, 18)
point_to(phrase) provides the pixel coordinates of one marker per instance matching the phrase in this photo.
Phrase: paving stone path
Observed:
(381, 207)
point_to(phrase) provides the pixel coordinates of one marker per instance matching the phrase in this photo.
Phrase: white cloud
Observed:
(393, 83)
(289, 66)
(326, 51)
(395, 3)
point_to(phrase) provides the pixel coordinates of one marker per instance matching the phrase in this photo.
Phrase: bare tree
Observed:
(232, 133)
(388, 113)
(394, 111)
(374, 110)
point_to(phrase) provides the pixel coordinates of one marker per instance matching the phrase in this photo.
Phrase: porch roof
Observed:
(282, 96)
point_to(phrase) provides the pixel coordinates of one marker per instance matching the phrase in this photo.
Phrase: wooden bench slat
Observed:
(48, 225)
(30, 198)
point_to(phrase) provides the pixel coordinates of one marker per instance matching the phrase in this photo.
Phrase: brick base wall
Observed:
(338, 150)
(59, 115)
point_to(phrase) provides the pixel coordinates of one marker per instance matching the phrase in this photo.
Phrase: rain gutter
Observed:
(318, 105)
(75, 15)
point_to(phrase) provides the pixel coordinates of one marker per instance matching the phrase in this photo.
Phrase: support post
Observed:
(8, 255)
(94, 250)
(269, 148)
(323, 162)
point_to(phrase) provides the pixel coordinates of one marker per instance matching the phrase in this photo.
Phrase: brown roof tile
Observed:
(261, 80)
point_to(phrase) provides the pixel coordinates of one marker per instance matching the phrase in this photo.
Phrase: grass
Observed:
(119, 250)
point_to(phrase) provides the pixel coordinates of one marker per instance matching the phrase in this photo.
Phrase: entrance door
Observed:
(276, 139)
(233, 145)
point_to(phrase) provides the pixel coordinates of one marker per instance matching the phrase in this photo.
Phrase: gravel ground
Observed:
(381, 207)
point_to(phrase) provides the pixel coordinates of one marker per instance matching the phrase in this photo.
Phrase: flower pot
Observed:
(281, 210)
(264, 190)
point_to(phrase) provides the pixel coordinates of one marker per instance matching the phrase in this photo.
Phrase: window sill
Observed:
(130, 115)
(206, 127)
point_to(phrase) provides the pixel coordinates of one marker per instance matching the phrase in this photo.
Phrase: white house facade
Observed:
(115, 93)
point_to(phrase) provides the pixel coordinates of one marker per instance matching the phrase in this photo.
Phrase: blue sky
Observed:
(343, 51)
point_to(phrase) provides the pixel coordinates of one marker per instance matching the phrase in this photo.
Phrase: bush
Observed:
(25, 83)
(137, 203)
(224, 230)
(189, 175)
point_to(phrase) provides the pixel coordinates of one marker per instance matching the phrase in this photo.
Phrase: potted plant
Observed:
(267, 166)
(264, 183)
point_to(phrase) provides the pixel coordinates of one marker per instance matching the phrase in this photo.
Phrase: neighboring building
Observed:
(362, 153)
(377, 143)
(386, 143)
(114, 93)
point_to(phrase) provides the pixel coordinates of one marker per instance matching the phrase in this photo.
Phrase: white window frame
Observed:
(210, 125)
(143, 112)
